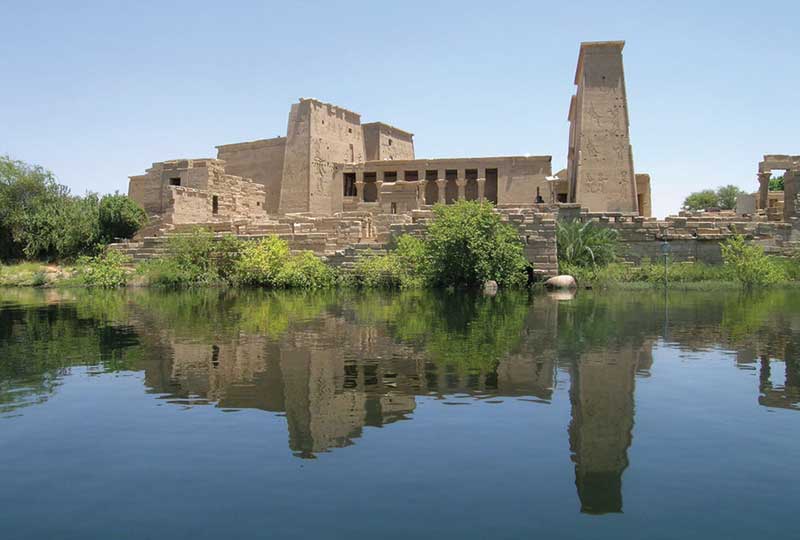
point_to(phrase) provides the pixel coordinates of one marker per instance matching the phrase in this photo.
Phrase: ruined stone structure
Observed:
(779, 206)
(335, 185)
(329, 162)
(191, 191)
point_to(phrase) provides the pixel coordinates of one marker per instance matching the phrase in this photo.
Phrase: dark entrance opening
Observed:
(350, 184)
(450, 188)
(491, 185)
(370, 189)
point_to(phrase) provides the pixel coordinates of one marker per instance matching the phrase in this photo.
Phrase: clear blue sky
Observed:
(97, 91)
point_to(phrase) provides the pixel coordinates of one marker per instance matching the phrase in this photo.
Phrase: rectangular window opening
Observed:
(215, 205)
(175, 181)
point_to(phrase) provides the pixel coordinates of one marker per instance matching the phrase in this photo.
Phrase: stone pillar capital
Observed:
(441, 183)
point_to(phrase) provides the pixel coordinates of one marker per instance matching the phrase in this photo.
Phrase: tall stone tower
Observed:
(600, 159)
(319, 135)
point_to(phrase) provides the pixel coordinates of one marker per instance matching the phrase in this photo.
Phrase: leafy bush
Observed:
(305, 271)
(119, 217)
(403, 268)
(197, 258)
(270, 263)
(107, 271)
(468, 244)
(261, 262)
(749, 264)
(585, 245)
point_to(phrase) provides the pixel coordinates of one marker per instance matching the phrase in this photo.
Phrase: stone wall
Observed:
(383, 141)
(692, 237)
(195, 191)
(319, 135)
(261, 161)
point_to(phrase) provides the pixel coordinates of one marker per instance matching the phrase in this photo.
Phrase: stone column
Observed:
(378, 184)
(461, 182)
(441, 183)
(481, 188)
(360, 186)
(763, 189)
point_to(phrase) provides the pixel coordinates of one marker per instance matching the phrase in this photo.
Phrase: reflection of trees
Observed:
(468, 332)
(337, 362)
(42, 338)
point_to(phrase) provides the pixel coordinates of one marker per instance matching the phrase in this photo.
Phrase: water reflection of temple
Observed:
(337, 374)
(600, 432)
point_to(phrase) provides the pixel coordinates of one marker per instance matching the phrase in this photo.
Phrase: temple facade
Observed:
(330, 162)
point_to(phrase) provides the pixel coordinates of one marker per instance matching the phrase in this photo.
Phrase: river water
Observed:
(214, 414)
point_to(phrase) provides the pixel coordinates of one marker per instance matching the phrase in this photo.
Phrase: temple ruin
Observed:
(331, 163)
(342, 188)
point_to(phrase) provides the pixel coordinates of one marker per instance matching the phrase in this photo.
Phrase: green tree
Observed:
(24, 190)
(701, 200)
(468, 244)
(726, 195)
(776, 183)
(119, 217)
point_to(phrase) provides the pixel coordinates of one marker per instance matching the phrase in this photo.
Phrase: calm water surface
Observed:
(252, 414)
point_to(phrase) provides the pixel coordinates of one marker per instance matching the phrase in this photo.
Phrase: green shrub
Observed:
(305, 271)
(261, 262)
(405, 267)
(748, 263)
(468, 244)
(119, 217)
(197, 258)
(585, 245)
(270, 263)
(106, 271)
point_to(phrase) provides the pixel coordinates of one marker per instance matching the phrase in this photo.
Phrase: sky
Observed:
(97, 91)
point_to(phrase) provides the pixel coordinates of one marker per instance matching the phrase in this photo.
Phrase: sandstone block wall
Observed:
(261, 161)
(385, 142)
(520, 177)
(692, 237)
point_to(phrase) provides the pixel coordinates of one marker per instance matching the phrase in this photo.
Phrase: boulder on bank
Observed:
(490, 287)
(563, 282)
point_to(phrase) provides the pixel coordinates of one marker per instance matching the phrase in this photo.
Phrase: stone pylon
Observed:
(600, 160)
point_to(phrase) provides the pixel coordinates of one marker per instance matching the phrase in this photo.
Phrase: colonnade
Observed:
(441, 182)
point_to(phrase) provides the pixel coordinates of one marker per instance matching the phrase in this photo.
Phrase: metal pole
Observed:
(666, 273)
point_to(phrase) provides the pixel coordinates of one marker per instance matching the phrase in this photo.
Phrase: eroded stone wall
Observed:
(385, 142)
(261, 161)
